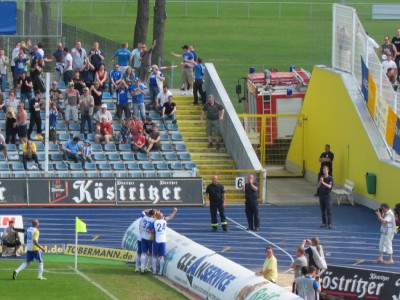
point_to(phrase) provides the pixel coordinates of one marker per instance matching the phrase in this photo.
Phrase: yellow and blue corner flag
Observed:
(80, 226)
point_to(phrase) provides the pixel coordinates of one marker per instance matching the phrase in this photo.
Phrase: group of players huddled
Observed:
(152, 241)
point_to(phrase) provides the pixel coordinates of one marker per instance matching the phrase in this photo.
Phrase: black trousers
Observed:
(213, 210)
(252, 214)
(35, 119)
(198, 89)
(326, 209)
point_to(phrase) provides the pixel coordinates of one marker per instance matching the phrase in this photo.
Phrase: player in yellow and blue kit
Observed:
(33, 253)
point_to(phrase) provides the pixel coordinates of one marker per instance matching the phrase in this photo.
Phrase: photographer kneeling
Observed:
(11, 239)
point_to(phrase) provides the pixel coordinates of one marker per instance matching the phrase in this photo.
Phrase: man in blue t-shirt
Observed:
(72, 150)
(198, 82)
(124, 56)
(115, 78)
(122, 100)
(187, 68)
(137, 92)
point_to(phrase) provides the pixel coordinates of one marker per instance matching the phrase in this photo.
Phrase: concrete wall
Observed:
(335, 115)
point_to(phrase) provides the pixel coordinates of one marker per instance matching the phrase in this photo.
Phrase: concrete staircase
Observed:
(209, 161)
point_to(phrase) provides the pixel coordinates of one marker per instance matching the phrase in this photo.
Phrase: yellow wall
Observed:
(331, 118)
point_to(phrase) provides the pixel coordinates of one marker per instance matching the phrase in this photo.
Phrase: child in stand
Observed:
(87, 153)
(124, 133)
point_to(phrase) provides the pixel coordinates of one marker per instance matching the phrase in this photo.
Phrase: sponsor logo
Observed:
(59, 190)
(204, 271)
(2, 191)
(105, 253)
(130, 239)
(5, 220)
(265, 294)
(50, 249)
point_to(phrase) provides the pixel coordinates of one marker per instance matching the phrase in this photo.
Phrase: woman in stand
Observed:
(101, 77)
(11, 127)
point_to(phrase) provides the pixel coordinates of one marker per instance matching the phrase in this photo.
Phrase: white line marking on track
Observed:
(87, 278)
(261, 238)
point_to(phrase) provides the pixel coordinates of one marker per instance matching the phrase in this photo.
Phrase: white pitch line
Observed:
(87, 278)
(260, 237)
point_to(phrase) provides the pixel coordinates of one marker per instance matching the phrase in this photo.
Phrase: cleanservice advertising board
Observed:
(208, 274)
(350, 284)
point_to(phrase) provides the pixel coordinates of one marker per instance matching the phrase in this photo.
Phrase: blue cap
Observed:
(136, 79)
(87, 141)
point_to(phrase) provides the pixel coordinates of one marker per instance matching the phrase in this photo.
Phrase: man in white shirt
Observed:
(3, 70)
(162, 98)
(78, 56)
(389, 63)
(388, 228)
(67, 67)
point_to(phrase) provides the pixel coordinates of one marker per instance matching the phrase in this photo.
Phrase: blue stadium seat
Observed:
(128, 157)
(162, 166)
(150, 174)
(2, 115)
(61, 85)
(176, 137)
(61, 166)
(104, 166)
(99, 156)
(156, 156)
(147, 166)
(54, 147)
(176, 166)
(2, 158)
(3, 168)
(118, 166)
(43, 167)
(11, 148)
(184, 156)
(56, 157)
(165, 137)
(90, 167)
(161, 127)
(110, 147)
(106, 95)
(142, 157)
(61, 127)
(110, 105)
(75, 167)
(39, 146)
(166, 148)
(125, 147)
(189, 166)
(117, 126)
(41, 156)
(97, 148)
(172, 127)
(164, 174)
(154, 115)
(91, 136)
(132, 166)
(74, 127)
(3, 126)
(63, 137)
(180, 147)
(81, 136)
(170, 157)
(113, 157)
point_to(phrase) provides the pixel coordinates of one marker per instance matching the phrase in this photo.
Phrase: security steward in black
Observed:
(215, 192)
(251, 194)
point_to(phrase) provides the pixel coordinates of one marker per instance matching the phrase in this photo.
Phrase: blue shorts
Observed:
(33, 255)
(147, 246)
(139, 247)
(159, 249)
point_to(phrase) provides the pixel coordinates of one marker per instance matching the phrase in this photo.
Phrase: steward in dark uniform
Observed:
(251, 194)
(215, 192)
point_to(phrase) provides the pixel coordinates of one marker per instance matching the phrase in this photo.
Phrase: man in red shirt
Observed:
(105, 132)
(140, 142)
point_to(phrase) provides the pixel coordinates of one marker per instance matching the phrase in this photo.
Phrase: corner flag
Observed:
(80, 226)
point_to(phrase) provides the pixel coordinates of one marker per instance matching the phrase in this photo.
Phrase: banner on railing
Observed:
(101, 192)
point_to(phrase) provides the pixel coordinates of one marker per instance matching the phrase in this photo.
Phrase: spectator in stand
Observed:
(123, 56)
(156, 80)
(214, 113)
(34, 109)
(396, 43)
(140, 143)
(122, 91)
(87, 153)
(388, 63)
(53, 113)
(124, 133)
(103, 113)
(97, 95)
(154, 139)
(169, 111)
(270, 267)
(135, 56)
(3, 146)
(2, 102)
(36, 74)
(372, 45)
(198, 82)
(162, 98)
(14, 55)
(115, 78)
(148, 125)
(101, 77)
(3, 70)
(78, 56)
(137, 91)
(56, 97)
(87, 73)
(58, 58)
(12, 102)
(86, 105)
(21, 63)
(96, 56)
(187, 68)
(388, 48)
(22, 123)
(72, 150)
(129, 76)
(40, 49)
(25, 45)
(134, 126)
(298, 264)
(35, 53)
(72, 102)
(11, 126)
(79, 84)
(105, 131)
(29, 153)
(145, 58)
(67, 71)
(392, 76)
(25, 86)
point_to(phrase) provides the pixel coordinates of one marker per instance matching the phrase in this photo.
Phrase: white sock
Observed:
(161, 265)
(143, 262)
(21, 267)
(148, 262)
(154, 265)
(40, 273)
(137, 261)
